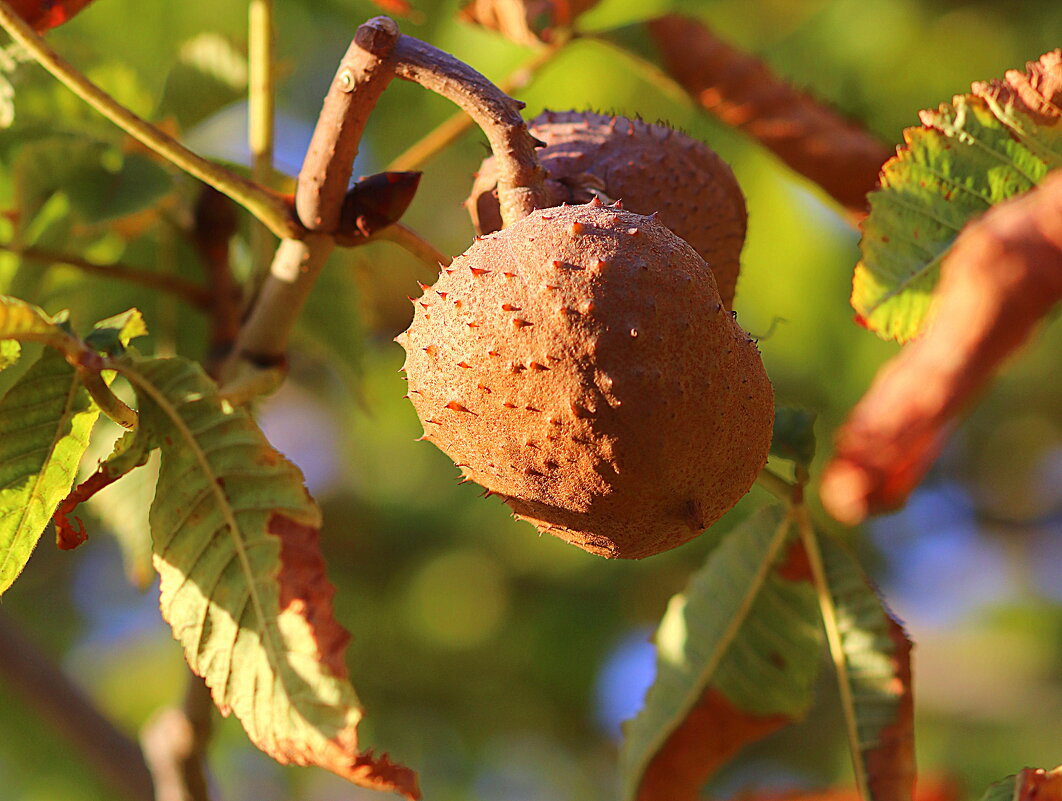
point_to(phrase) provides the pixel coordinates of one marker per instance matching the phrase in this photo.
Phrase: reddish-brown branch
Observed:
(175, 742)
(521, 179)
(35, 679)
(363, 74)
(1002, 276)
(838, 155)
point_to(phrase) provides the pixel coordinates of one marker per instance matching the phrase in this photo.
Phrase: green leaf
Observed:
(45, 421)
(794, 435)
(243, 584)
(966, 159)
(875, 677)
(737, 657)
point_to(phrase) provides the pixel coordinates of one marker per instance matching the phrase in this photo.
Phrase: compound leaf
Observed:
(971, 154)
(737, 656)
(45, 421)
(243, 586)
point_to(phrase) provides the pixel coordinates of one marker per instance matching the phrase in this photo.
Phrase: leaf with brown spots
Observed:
(737, 658)
(243, 580)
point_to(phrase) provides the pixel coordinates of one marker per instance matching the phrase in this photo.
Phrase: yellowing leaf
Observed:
(45, 421)
(737, 656)
(26, 322)
(243, 580)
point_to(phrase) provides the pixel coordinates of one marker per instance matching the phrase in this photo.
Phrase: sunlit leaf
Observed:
(10, 350)
(24, 321)
(243, 585)
(737, 656)
(45, 420)
(875, 679)
(970, 155)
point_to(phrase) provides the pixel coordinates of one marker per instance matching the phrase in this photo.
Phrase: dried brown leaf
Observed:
(1003, 274)
(816, 141)
(709, 737)
(527, 22)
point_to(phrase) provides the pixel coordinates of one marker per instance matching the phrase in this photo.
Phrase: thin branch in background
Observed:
(408, 239)
(261, 116)
(450, 130)
(175, 742)
(269, 207)
(215, 223)
(35, 678)
(191, 293)
(811, 138)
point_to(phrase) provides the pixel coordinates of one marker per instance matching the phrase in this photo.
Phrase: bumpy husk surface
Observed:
(650, 168)
(581, 365)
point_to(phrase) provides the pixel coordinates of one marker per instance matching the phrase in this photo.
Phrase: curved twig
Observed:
(521, 178)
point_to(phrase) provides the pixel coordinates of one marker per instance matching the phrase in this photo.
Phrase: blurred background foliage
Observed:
(496, 662)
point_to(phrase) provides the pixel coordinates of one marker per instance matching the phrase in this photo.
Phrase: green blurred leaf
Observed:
(875, 678)
(209, 75)
(794, 435)
(243, 584)
(965, 160)
(737, 657)
(101, 183)
(109, 192)
(45, 421)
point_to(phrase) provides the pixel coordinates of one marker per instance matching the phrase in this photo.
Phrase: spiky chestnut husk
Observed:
(581, 365)
(649, 168)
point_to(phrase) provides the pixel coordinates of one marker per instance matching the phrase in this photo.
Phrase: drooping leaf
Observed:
(132, 450)
(1031, 784)
(794, 435)
(875, 678)
(1000, 279)
(45, 421)
(970, 155)
(243, 584)
(737, 656)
